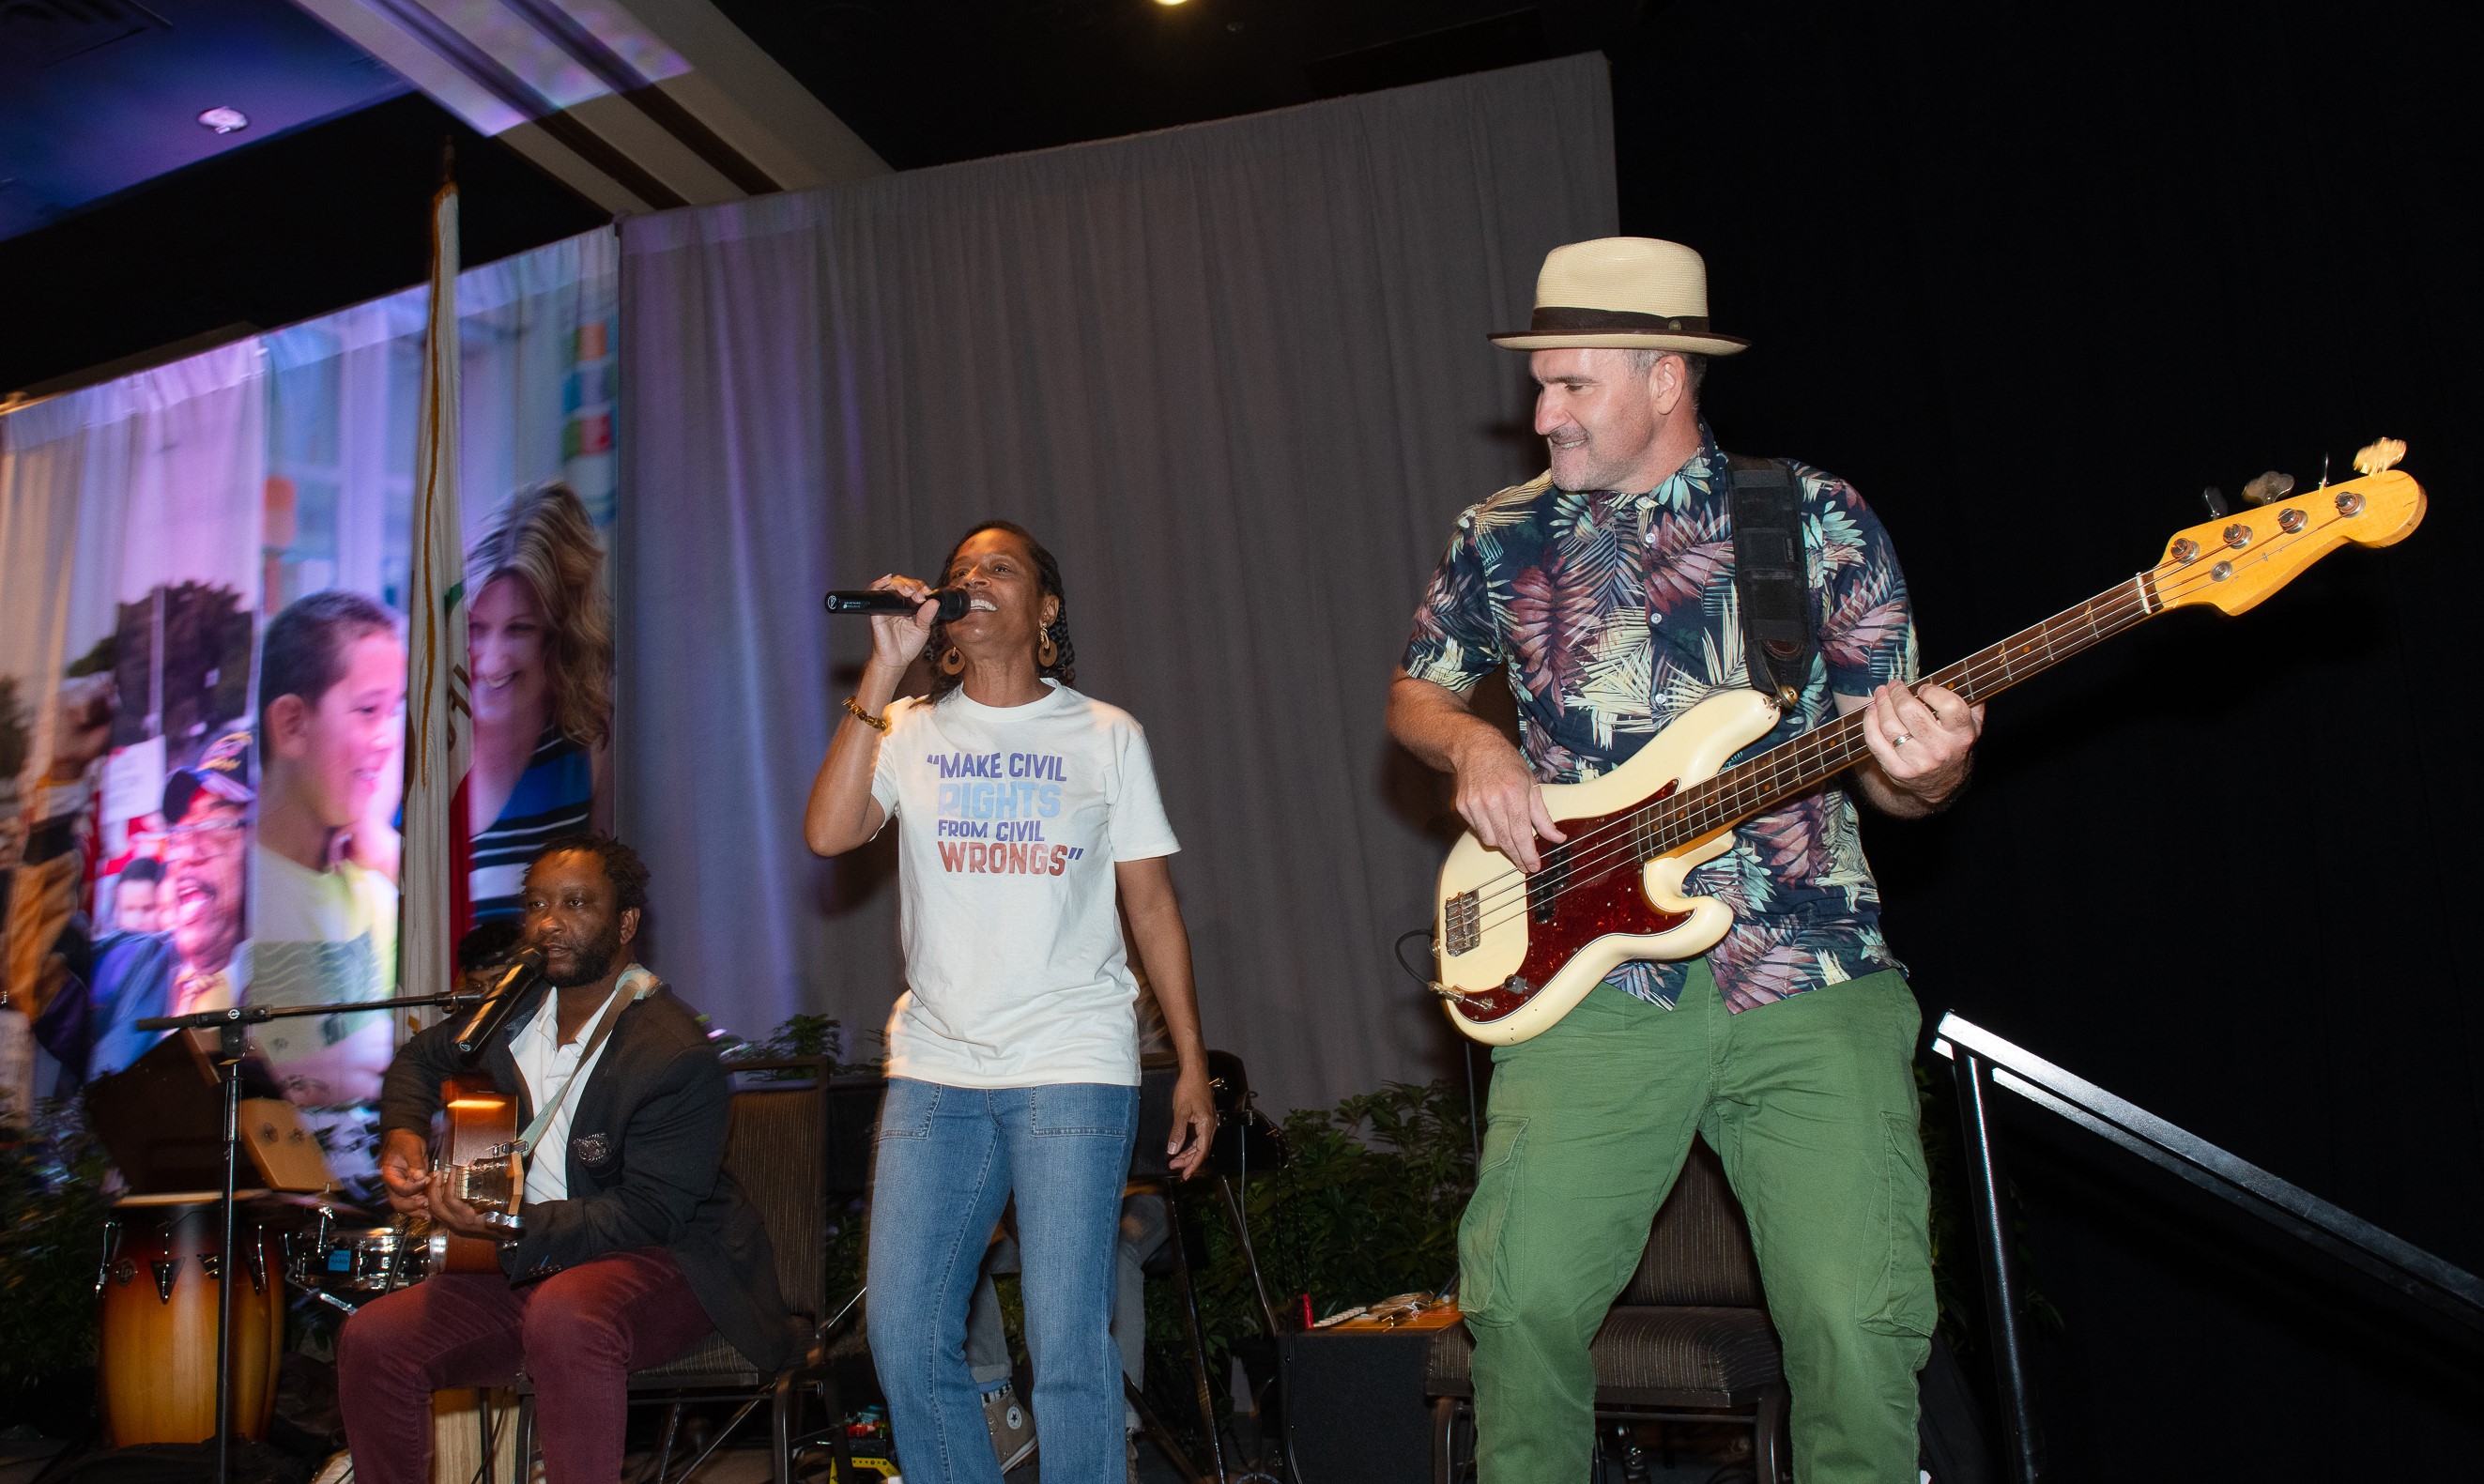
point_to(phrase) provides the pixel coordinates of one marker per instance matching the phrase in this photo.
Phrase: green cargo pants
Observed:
(1810, 1103)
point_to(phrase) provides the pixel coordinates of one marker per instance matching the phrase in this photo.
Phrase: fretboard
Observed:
(1796, 767)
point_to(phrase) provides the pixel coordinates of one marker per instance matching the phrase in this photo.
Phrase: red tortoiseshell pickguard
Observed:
(1589, 908)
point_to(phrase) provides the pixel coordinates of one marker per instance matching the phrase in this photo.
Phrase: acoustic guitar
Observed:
(473, 1142)
(1513, 952)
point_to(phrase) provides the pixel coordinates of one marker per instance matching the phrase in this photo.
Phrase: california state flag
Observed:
(439, 720)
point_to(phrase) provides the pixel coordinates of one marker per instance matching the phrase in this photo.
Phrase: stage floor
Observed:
(21, 1460)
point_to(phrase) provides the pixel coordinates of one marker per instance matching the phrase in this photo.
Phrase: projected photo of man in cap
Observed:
(199, 905)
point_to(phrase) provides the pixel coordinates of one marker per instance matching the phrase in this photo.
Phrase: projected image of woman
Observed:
(1027, 812)
(539, 649)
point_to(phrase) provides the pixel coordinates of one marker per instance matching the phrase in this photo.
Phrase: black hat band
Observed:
(1567, 319)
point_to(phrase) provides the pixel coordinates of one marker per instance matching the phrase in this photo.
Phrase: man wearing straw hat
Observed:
(1605, 589)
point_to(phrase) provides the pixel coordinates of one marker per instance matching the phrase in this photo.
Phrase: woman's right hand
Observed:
(896, 640)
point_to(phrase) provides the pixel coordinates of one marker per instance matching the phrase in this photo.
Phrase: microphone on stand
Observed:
(501, 1001)
(877, 600)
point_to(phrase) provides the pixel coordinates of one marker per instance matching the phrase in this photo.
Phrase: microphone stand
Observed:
(231, 1045)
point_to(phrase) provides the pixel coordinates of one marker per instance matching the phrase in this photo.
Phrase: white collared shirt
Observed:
(546, 1065)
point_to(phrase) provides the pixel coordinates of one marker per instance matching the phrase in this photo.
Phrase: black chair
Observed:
(778, 1151)
(1688, 1340)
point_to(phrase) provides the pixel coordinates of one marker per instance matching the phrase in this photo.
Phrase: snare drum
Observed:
(344, 1266)
(379, 1261)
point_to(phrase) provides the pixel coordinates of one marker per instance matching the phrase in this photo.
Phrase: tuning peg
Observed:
(2215, 499)
(2372, 458)
(2268, 487)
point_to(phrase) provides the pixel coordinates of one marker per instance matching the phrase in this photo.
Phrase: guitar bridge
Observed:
(1463, 922)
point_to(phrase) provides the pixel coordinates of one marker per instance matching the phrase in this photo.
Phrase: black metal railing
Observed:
(1984, 1061)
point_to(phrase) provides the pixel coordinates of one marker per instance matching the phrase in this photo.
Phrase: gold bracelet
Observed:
(876, 723)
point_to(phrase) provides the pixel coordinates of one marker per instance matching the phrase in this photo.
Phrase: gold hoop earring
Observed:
(1047, 653)
(952, 662)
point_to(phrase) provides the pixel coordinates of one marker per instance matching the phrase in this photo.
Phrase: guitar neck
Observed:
(1797, 767)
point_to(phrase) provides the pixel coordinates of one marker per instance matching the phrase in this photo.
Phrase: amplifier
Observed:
(1354, 1412)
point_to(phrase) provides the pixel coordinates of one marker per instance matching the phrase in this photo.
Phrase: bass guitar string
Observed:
(1754, 782)
(1759, 777)
(1716, 801)
(1759, 774)
(1715, 804)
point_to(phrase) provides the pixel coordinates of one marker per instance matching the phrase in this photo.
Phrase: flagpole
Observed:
(439, 722)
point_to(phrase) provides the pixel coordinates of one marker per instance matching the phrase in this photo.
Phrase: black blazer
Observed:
(646, 1159)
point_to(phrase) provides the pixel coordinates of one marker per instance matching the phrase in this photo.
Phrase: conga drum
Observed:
(161, 1273)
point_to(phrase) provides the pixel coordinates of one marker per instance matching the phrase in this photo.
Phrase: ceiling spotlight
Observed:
(224, 121)
(1168, 2)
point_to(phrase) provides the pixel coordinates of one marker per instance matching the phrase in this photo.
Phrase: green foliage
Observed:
(843, 1254)
(52, 1210)
(814, 1035)
(1366, 1207)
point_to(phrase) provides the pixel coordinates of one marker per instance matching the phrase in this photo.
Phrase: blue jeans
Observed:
(949, 1161)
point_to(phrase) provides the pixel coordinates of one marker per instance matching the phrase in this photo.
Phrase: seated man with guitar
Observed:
(1607, 591)
(631, 1243)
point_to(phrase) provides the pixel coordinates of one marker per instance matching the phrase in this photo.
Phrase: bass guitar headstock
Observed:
(2233, 562)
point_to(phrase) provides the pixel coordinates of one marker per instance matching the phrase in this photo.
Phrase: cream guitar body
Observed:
(1513, 953)
(1517, 969)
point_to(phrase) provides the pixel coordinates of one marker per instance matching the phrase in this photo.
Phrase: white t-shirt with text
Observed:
(1012, 820)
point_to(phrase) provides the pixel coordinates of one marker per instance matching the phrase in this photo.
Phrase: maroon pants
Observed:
(578, 1333)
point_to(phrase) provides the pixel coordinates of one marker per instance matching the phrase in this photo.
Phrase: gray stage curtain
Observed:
(1234, 375)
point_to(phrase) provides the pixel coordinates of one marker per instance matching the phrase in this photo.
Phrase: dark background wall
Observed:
(2032, 280)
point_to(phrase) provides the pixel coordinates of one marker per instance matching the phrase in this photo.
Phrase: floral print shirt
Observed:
(1612, 614)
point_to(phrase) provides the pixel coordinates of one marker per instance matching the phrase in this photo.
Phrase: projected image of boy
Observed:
(323, 926)
(136, 902)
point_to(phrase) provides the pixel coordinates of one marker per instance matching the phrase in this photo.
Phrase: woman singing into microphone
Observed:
(1029, 812)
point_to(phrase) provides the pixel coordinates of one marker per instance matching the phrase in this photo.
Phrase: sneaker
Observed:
(1130, 1456)
(1013, 1427)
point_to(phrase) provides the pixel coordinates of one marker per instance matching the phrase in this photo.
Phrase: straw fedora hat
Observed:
(1622, 293)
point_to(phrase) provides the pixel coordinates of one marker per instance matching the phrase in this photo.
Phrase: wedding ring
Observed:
(1901, 738)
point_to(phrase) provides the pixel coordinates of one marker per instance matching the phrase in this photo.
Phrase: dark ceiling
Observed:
(330, 214)
(99, 96)
(927, 82)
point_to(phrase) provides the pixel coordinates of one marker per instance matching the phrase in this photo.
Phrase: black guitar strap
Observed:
(1772, 577)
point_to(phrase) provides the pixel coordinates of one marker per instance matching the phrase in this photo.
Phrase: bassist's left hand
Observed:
(1921, 741)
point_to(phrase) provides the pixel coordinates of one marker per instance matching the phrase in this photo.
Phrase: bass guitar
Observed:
(1513, 952)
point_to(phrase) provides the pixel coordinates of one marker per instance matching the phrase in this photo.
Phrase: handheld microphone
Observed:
(875, 599)
(501, 1001)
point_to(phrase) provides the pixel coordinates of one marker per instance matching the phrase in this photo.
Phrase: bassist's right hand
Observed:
(1500, 801)
(405, 1169)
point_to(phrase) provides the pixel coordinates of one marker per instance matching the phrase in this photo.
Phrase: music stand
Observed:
(230, 1050)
